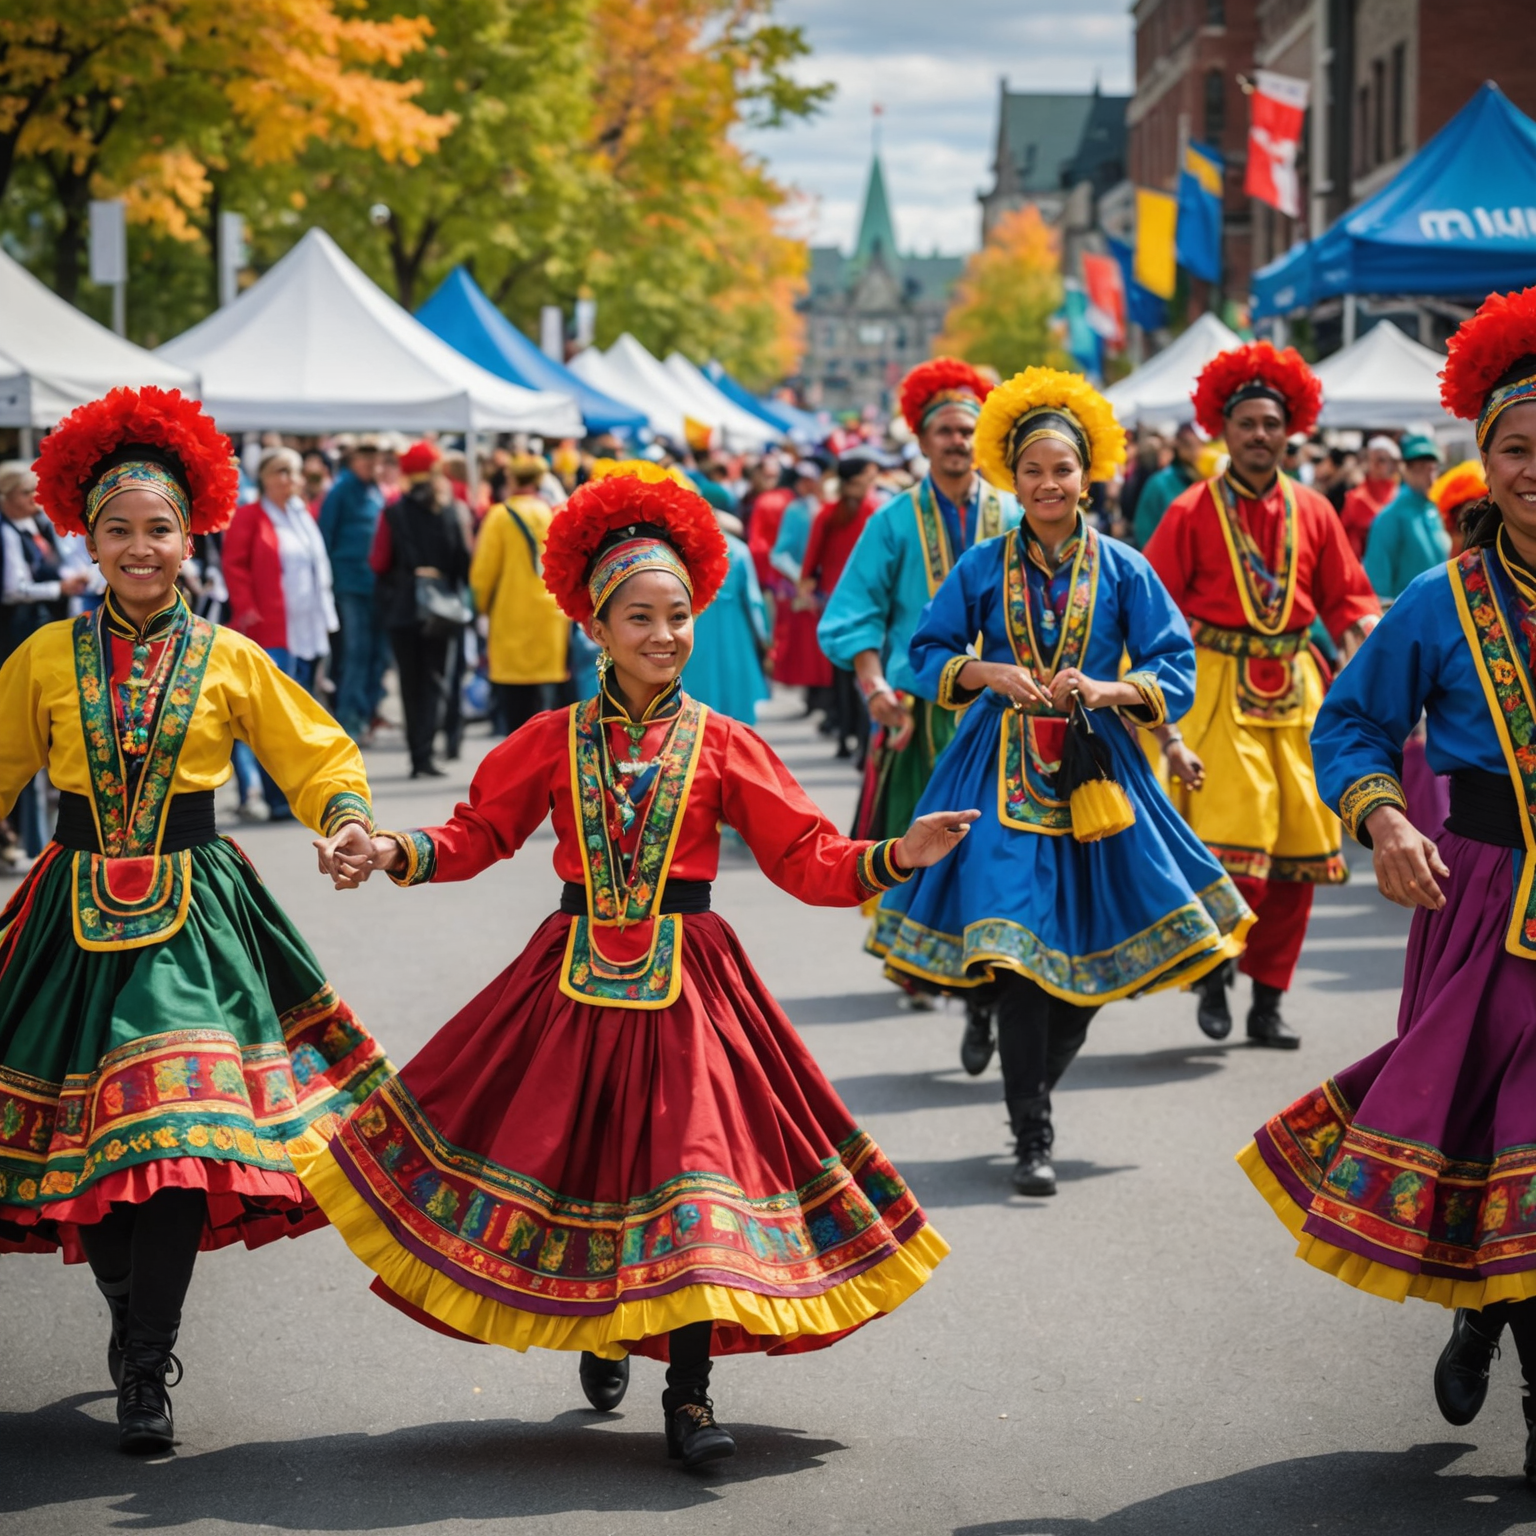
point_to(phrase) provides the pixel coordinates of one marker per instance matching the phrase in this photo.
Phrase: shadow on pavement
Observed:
(988, 1181)
(423, 1475)
(1147, 1069)
(1386, 1493)
(847, 1008)
(883, 1093)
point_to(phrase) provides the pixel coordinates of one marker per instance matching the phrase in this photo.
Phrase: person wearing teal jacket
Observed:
(1169, 483)
(903, 555)
(1408, 536)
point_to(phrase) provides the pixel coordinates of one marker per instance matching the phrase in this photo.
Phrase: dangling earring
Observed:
(604, 662)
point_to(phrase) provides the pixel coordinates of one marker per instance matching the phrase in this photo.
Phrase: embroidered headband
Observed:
(1046, 421)
(943, 399)
(615, 566)
(1500, 401)
(137, 475)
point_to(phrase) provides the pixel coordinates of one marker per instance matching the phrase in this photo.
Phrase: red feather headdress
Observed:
(1284, 372)
(73, 454)
(601, 507)
(938, 376)
(1483, 350)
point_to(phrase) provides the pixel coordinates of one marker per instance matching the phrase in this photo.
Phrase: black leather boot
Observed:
(693, 1436)
(145, 1427)
(1265, 1026)
(979, 1041)
(1461, 1372)
(1033, 1173)
(1214, 1014)
(604, 1381)
(115, 1294)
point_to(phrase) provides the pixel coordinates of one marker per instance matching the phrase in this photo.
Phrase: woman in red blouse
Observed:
(622, 1146)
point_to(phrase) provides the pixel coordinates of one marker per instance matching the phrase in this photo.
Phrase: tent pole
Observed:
(24, 443)
(1282, 331)
(472, 467)
(1351, 319)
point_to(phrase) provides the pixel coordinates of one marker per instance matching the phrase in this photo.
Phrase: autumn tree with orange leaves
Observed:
(1004, 301)
(151, 100)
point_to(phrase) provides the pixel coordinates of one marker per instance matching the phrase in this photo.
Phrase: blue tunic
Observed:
(725, 670)
(1090, 922)
(886, 583)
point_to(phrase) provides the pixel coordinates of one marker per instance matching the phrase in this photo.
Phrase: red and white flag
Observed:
(1279, 106)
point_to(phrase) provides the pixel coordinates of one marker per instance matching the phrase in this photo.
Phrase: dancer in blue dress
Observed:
(1054, 924)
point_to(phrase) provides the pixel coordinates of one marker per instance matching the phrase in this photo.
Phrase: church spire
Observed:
(876, 231)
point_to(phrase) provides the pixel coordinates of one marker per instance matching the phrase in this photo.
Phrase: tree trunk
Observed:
(74, 194)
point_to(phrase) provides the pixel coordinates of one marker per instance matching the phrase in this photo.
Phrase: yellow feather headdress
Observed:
(1040, 390)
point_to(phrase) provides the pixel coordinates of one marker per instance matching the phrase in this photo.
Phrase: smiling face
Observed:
(139, 544)
(647, 627)
(947, 441)
(1256, 440)
(1049, 482)
(1509, 461)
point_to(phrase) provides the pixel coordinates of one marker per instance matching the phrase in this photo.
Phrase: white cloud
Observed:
(935, 72)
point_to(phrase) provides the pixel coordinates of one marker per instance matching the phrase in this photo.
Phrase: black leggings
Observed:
(150, 1249)
(1037, 1037)
(688, 1368)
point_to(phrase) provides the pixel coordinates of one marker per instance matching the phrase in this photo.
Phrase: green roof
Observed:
(876, 231)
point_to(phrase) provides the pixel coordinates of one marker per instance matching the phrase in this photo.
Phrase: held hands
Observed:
(1406, 861)
(353, 854)
(931, 837)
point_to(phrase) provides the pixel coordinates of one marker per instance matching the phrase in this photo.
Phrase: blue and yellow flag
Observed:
(1156, 266)
(1200, 199)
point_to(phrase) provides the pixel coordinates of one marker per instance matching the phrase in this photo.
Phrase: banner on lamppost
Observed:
(1279, 107)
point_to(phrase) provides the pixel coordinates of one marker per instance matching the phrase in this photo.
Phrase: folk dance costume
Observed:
(903, 555)
(166, 1035)
(621, 1146)
(1251, 568)
(1411, 1173)
(1054, 926)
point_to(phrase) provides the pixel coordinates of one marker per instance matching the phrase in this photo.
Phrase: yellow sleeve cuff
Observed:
(340, 809)
(420, 857)
(878, 869)
(1153, 709)
(951, 694)
(1365, 795)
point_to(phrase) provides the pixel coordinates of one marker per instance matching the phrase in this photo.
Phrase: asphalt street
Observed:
(1141, 1354)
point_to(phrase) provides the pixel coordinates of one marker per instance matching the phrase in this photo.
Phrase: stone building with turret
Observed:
(870, 316)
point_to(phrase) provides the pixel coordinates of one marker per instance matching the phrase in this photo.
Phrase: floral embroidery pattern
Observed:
(1244, 642)
(530, 1246)
(1404, 1197)
(938, 557)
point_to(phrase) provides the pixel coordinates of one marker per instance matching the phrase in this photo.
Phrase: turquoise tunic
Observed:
(726, 670)
(1407, 539)
(1146, 908)
(893, 572)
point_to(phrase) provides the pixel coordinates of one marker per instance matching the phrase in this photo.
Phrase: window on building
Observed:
(1399, 103)
(1363, 130)
(1215, 108)
(1378, 111)
(1215, 13)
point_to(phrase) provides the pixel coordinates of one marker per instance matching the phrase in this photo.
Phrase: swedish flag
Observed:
(1200, 199)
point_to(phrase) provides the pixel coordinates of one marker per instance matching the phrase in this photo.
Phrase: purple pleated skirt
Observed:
(1422, 1157)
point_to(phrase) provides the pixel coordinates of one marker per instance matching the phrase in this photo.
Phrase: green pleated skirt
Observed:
(190, 1062)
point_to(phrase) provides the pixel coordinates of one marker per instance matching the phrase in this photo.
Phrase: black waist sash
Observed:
(686, 896)
(1485, 808)
(190, 821)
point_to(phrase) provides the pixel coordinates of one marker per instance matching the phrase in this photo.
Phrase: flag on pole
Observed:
(1278, 106)
(1200, 192)
(1106, 297)
(1141, 308)
(1157, 215)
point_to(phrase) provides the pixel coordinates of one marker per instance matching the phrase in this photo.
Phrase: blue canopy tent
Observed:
(460, 314)
(800, 425)
(1459, 220)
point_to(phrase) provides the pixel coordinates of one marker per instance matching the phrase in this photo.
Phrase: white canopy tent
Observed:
(1384, 379)
(315, 346)
(662, 410)
(53, 358)
(739, 428)
(1160, 389)
(647, 384)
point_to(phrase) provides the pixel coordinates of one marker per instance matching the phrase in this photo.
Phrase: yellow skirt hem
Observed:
(1369, 1275)
(785, 1319)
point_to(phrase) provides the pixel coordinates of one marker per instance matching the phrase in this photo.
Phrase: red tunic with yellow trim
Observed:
(623, 1134)
(1251, 573)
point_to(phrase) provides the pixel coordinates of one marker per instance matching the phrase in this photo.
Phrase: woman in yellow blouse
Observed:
(529, 636)
(165, 1033)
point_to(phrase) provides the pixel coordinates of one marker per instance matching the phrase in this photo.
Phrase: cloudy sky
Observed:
(934, 67)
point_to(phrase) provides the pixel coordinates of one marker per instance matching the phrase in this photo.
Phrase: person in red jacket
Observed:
(1251, 558)
(834, 532)
(279, 579)
(1363, 502)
